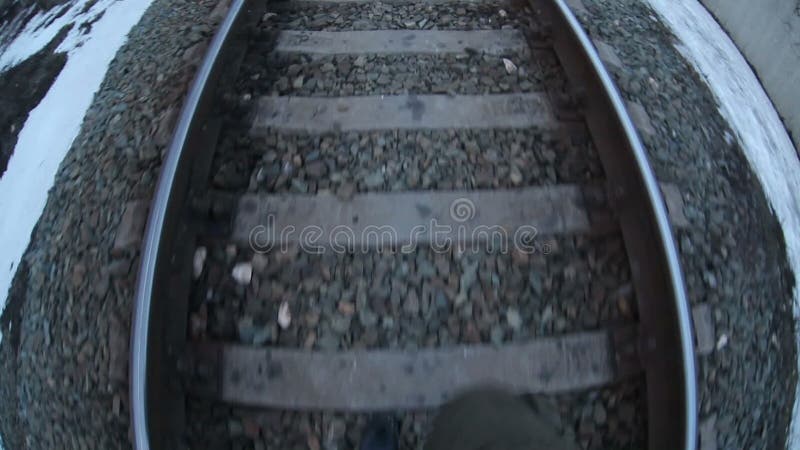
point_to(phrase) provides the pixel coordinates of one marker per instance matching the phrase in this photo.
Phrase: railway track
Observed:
(373, 206)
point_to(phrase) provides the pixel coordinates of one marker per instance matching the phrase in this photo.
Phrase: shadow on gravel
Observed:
(22, 88)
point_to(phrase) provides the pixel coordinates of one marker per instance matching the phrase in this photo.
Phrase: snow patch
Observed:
(39, 31)
(52, 126)
(749, 111)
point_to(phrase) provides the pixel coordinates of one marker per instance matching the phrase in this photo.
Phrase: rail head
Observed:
(666, 345)
(162, 212)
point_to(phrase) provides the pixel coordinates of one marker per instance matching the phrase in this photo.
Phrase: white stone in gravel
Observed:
(243, 273)
(722, 342)
(513, 318)
(510, 66)
(751, 115)
(52, 126)
(284, 315)
(515, 175)
(200, 255)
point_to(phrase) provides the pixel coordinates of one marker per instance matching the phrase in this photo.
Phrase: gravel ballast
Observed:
(388, 16)
(361, 75)
(63, 358)
(402, 160)
(733, 254)
(423, 299)
(601, 419)
(416, 299)
(394, 160)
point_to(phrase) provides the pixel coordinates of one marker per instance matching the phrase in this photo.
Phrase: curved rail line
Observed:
(666, 343)
(155, 253)
(663, 347)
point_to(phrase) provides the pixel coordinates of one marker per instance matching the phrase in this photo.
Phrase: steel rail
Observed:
(665, 344)
(155, 253)
(665, 320)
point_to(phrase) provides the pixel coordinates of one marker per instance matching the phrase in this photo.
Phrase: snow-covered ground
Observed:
(748, 109)
(52, 126)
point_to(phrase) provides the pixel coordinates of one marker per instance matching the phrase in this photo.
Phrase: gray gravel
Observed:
(418, 299)
(611, 418)
(265, 73)
(64, 352)
(415, 16)
(602, 419)
(392, 160)
(229, 427)
(384, 300)
(733, 254)
(402, 160)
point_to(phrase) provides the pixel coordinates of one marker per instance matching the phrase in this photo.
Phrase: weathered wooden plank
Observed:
(398, 112)
(393, 42)
(378, 219)
(363, 380)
